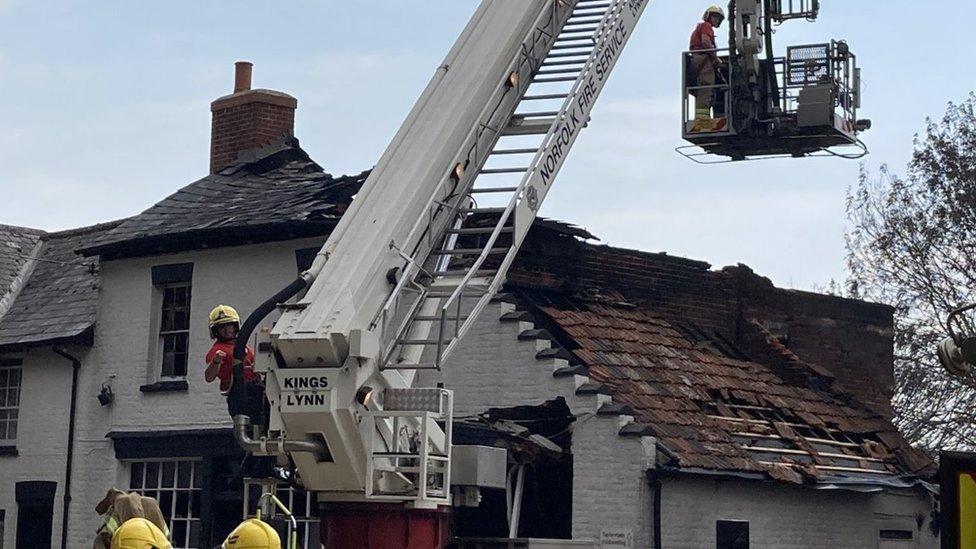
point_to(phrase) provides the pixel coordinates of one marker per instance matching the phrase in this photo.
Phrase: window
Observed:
(173, 281)
(10, 381)
(174, 330)
(177, 486)
(3, 518)
(302, 505)
(731, 534)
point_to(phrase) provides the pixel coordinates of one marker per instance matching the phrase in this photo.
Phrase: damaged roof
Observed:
(719, 392)
(273, 193)
(58, 301)
(17, 246)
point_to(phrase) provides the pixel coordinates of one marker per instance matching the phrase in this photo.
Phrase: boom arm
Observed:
(399, 280)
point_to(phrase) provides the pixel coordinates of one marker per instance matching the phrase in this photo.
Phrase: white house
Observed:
(694, 408)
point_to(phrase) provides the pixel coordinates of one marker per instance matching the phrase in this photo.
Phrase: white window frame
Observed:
(168, 505)
(6, 390)
(161, 337)
(300, 508)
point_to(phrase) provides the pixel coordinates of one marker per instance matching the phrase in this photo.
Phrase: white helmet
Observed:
(713, 10)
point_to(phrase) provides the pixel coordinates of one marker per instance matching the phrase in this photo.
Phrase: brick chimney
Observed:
(248, 119)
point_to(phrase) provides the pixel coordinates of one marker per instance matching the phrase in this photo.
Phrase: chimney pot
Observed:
(247, 119)
(242, 76)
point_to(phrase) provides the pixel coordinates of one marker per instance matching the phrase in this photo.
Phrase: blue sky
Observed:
(104, 109)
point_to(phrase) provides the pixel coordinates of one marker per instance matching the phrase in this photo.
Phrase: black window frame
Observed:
(175, 286)
(728, 534)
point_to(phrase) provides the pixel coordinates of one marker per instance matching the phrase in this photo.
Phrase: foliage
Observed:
(913, 246)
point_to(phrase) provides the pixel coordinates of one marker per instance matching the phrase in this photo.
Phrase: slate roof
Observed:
(720, 401)
(17, 246)
(58, 302)
(273, 193)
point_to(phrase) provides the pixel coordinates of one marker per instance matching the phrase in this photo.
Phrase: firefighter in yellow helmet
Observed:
(252, 534)
(224, 325)
(139, 533)
(704, 64)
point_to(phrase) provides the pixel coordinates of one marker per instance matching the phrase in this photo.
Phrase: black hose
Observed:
(237, 394)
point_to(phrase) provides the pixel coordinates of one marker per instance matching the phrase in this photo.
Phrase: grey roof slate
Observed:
(59, 301)
(17, 246)
(264, 195)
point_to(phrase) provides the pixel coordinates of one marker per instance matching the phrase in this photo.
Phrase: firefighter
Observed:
(253, 534)
(225, 324)
(139, 533)
(705, 64)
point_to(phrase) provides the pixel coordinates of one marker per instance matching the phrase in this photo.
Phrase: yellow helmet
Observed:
(713, 10)
(139, 533)
(223, 314)
(253, 534)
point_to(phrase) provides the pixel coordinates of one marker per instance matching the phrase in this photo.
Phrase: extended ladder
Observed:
(477, 219)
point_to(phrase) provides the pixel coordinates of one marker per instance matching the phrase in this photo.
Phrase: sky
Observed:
(104, 110)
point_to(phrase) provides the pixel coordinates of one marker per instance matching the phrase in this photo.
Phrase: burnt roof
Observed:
(58, 302)
(273, 193)
(668, 338)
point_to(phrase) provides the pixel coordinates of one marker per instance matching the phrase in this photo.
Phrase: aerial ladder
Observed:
(421, 251)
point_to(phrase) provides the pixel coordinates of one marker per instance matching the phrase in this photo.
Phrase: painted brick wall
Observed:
(241, 276)
(786, 517)
(42, 434)
(610, 488)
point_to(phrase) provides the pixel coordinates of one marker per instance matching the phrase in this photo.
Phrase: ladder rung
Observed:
(418, 342)
(570, 54)
(579, 21)
(449, 293)
(563, 63)
(537, 114)
(545, 96)
(479, 230)
(536, 126)
(490, 171)
(488, 190)
(588, 44)
(584, 30)
(462, 272)
(434, 318)
(470, 251)
(482, 210)
(514, 151)
(555, 79)
(588, 12)
(575, 71)
(427, 366)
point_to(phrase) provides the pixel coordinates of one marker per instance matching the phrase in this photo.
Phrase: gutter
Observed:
(69, 459)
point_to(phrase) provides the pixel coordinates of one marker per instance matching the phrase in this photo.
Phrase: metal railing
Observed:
(722, 87)
(411, 466)
(783, 10)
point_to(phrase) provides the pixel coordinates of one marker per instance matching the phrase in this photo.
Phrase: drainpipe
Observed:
(75, 367)
(655, 484)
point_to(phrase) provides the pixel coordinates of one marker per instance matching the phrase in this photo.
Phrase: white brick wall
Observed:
(238, 276)
(42, 435)
(787, 517)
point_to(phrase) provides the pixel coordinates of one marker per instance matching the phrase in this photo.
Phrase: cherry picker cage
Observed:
(802, 104)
